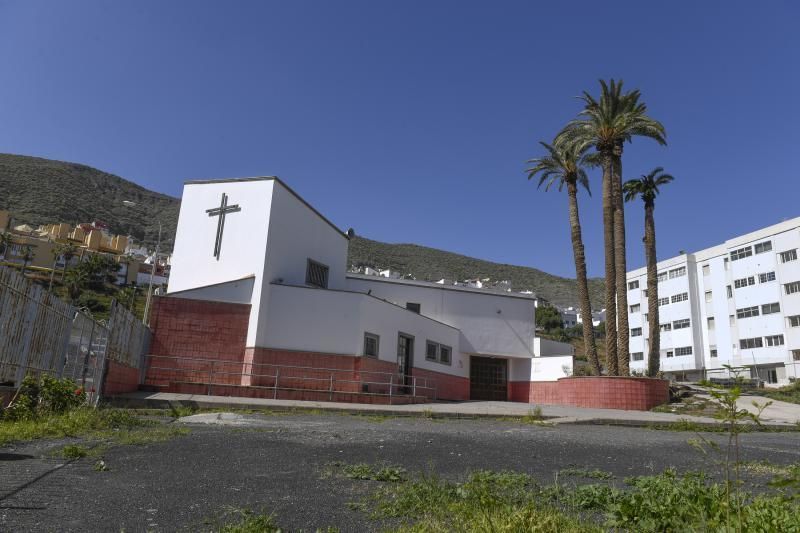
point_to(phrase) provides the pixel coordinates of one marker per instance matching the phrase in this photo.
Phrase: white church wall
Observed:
(244, 239)
(491, 324)
(238, 292)
(328, 321)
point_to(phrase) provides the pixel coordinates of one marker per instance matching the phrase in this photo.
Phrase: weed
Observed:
(586, 473)
(427, 413)
(100, 466)
(74, 451)
(388, 473)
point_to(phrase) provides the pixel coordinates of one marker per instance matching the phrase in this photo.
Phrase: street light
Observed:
(128, 203)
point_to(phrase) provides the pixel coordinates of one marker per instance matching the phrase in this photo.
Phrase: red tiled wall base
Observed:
(447, 387)
(198, 328)
(120, 378)
(628, 393)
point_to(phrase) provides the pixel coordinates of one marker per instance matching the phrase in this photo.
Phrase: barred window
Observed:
(766, 277)
(789, 255)
(713, 351)
(682, 297)
(744, 282)
(665, 327)
(438, 352)
(637, 356)
(663, 301)
(762, 247)
(662, 276)
(371, 344)
(768, 309)
(681, 324)
(741, 253)
(747, 312)
(686, 350)
(636, 332)
(792, 288)
(746, 344)
(677, 272)
(633, 285)
(670, 353)
(431, 351)
(316, 274)
(774, 340)
(444, 354)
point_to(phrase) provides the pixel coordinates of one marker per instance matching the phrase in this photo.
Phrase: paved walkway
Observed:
(777, 412)
(557, 414)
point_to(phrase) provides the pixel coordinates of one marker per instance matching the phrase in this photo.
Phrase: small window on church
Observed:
(431, 351)
(317, 274)
(371, 344)
(411, 306)
(444, 355)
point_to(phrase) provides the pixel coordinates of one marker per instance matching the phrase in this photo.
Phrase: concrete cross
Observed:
(220, 212)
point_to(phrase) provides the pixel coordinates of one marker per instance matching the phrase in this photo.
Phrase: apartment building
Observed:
(737, 304)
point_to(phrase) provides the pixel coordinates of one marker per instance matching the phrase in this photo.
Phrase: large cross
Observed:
(220, 212)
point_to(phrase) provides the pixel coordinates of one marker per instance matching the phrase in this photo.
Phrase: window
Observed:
(794, 321)
(636, 332)
(316, 274)
(670, 353)
(646, 317)
(682, 297)
(666, 327)
(681, 324)
(795, 355)
(712, 351)
(709, 296)
(686, 350)
(792, 288)
(768, 309)
(662, 276)
(711, 324)
(744, 282)
(766, 277)
(431, 351)
(741, 253)
(746, 344)
(438, 352)
(371, 344)
(725, 262)
(762, 247)
(633, 285)
(644, 293)
(730, 291)
(747, 312)
(411, 306)
(444, 355)
(774, 340)
(706, 270)
(635, 308)
(731, 320)
(677, 272)
(789, 255)
(637, 356)
(663, 301)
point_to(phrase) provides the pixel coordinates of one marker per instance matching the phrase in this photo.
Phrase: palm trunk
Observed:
(608, 243)
(620, 264)
(52, 276)
(654, 354)
(580, 274)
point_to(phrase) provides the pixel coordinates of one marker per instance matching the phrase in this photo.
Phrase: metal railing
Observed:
(162, 370)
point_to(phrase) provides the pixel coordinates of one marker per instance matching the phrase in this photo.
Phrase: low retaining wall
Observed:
(447, 387)
(627, 393)
(120, 378)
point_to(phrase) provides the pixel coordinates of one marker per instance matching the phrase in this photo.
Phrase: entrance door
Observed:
(405, 357)
(488, 379)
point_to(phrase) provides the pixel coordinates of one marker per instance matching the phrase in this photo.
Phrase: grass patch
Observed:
(692, 406)
(365, 471)
(73, 451)
(586, 473)
(790, 393)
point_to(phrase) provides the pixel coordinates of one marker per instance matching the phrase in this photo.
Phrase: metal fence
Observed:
(40, 333)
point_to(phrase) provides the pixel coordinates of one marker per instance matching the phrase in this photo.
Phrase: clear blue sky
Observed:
(412, 121)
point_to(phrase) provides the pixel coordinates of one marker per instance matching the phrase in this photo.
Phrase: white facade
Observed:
(289, 263)
(740, 302)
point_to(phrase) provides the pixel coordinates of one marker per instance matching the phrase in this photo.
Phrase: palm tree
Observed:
(646, 187)
(27, 256)
(68, 252)
(75, 281)
(563, 165)
(606, 124)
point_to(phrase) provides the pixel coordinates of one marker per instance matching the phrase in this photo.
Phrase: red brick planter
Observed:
(628, 393)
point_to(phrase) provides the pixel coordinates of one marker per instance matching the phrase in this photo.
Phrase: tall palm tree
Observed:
(606, 124)
(646, 188)
(564, 166)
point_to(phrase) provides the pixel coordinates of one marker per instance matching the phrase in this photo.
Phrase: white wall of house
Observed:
(238, 292)
(499, 324)
(330, 321)
(715, 306)
(540, 368)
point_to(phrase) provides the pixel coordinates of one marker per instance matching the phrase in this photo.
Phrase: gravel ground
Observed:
(281, 465)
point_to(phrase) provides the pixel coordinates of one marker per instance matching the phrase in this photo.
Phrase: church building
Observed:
(260, 303)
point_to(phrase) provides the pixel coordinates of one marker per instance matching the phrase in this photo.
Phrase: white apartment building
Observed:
(734, 304)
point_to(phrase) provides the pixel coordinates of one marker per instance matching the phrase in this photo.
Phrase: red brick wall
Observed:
(628, 393)
(447, 387)
(200, 329)
(120, 378)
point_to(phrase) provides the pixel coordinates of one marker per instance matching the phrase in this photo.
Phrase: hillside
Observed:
(432, 264)
(41, 191)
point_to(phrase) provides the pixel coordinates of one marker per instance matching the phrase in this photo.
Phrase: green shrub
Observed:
(44, 396)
